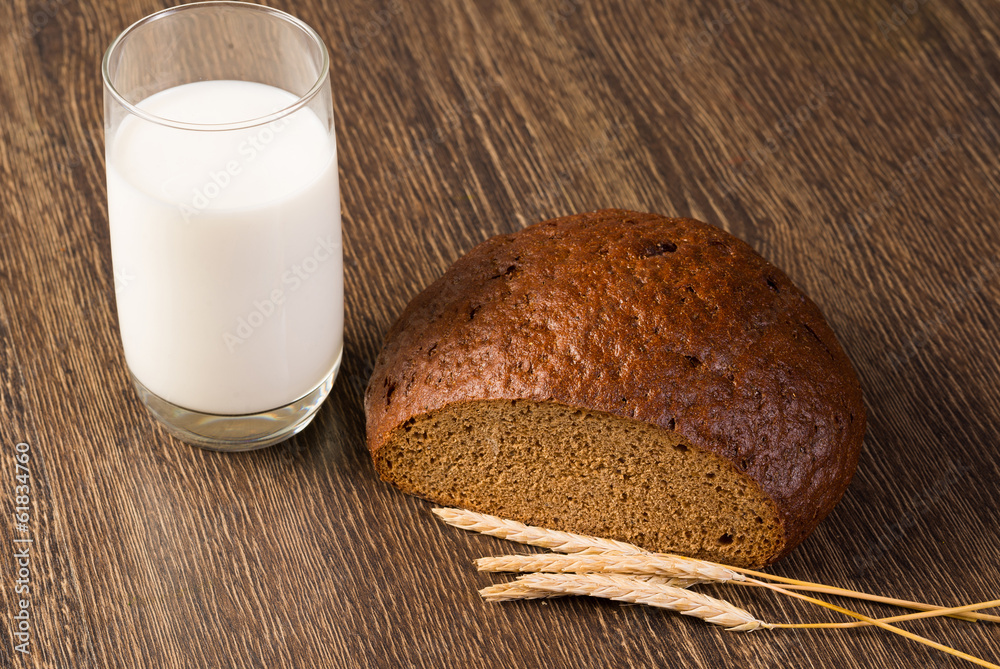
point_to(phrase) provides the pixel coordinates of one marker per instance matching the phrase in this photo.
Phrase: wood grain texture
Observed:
(852, 143)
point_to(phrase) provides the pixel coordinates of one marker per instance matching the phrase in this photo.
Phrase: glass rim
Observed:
(299, 103)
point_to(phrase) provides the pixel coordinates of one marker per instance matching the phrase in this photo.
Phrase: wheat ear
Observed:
(564, 542)
(636, 591)
(515, 590)
(651, 565)
(613, 586)
(568, 542)
(518, 589)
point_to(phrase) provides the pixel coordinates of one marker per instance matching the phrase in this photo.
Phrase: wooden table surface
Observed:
(851, 142)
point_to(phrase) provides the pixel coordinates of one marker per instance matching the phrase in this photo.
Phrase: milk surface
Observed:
(227, 249)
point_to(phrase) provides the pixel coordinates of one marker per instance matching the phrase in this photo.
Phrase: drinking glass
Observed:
(224, 214)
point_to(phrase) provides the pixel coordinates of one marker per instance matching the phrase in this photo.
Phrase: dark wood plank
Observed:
(853, 143)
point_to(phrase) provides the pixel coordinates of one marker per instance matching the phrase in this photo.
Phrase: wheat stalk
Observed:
(967, 613)
(642, 591)
(884, 625)
(636, 591)
(568, 542)
(669, 566)
(967, 608)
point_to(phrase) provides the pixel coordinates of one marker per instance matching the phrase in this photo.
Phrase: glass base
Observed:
(246, 432)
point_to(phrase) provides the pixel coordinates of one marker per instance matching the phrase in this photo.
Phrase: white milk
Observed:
(227, 249)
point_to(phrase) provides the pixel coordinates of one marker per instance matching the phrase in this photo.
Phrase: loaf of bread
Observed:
(624, 375)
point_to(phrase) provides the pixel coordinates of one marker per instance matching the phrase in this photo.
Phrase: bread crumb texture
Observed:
(625, 375)
(560, 467)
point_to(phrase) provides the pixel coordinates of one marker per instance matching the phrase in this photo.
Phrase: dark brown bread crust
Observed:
(666, 320)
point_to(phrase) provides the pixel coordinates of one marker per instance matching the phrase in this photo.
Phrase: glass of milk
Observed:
(224, 211)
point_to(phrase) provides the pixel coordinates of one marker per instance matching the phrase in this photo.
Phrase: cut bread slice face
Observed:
(548, 464)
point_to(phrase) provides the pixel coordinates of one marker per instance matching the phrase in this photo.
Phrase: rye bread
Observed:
(621, 374)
